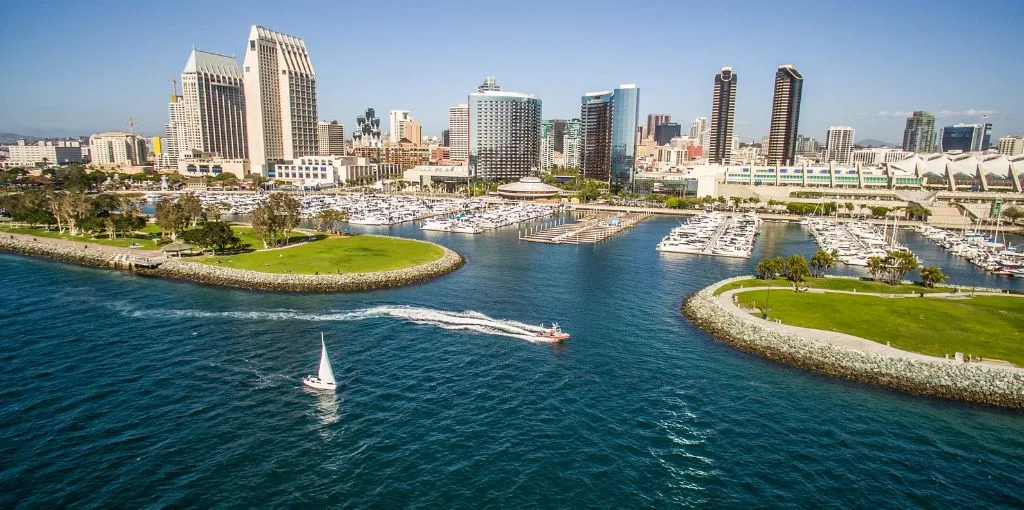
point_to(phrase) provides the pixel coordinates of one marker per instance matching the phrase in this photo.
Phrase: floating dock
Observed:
(588, 228)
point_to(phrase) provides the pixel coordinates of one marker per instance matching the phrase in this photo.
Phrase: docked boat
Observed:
(324, 380)
(554, 333)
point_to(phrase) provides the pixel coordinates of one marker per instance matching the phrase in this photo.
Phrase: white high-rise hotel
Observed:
(839, 145)
(458, 132)
(280, 99)
(396, 124)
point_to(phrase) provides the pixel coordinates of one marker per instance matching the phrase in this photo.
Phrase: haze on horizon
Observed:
(83, 69)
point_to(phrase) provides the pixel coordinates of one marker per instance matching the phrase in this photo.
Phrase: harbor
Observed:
(854, 242)
(712, 233)
(587, 228)
(488, 218)
(991, 252)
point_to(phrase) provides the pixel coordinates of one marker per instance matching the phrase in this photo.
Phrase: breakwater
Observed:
(971, 382)
(183, 269)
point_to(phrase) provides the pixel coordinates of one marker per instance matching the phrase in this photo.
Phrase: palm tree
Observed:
(822, 261)
(876, 267)
(932, 275)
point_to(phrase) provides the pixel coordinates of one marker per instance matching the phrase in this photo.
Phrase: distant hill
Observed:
(12, 138)
(871, 142)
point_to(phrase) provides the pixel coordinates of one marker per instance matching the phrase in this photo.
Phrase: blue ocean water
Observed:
(124, 391)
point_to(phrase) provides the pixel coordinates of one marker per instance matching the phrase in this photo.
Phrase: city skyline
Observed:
(104, 97)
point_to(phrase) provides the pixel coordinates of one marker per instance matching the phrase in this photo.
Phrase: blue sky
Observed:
(81, 67)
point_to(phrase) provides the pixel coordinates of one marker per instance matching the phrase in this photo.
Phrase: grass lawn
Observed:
(353, 254)
(122, 242)
(249, 237)
(988, 326)
(832, 284)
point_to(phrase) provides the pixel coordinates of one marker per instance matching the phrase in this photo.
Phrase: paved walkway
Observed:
(110, 251)
(842, 339)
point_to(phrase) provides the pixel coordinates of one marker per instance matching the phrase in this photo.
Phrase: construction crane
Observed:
(132, 122)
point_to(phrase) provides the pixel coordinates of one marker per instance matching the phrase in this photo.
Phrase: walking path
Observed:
(844, 340)
(110, 251)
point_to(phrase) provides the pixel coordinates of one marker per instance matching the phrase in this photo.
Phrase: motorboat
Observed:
(554, 333)
(324, 380)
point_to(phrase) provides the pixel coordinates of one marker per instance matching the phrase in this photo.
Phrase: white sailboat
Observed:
(324, 380)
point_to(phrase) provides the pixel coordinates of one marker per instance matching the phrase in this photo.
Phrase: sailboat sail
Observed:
(326, 373)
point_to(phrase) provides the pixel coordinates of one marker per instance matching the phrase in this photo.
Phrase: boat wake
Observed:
(452, 321)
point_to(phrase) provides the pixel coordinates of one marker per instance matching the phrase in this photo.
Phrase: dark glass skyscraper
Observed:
(966, 137)
(785, 115)
(723, 108)
(664, 133)
(609, 122)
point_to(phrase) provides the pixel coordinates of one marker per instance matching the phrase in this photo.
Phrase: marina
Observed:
(855, 242)
(588, 228)
(712, 233)
(991, 253)
(488, 218)
(363, 209)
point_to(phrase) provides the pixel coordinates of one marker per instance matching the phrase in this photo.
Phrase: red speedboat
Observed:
(555, 333)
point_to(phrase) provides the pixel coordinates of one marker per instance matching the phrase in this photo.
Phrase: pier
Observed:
(588, 228)
(718, 234)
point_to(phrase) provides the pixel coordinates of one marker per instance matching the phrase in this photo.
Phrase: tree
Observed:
(170, 218)
(275, 217)
(330, 221)
(1013, 213)
(849, 208)
(191, 207)
(771, 268)
(932, 275)
(879, 211)
(898, 263)
(822, 261)
(796, 269)
(876, 267)
(216, 235)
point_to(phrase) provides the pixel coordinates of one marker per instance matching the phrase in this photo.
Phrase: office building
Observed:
(396, 121)
(879, 156)
(571, 140)
(785, 115)
(723, 112)
(117, 149)
(44, 153)
(609, 121)
(330, 138)
(280, 99)
(367, 132)
(198, 164)
(839, 145)
(406, 154)
(919, 135)
(446, 138)
(413, 131)
(547, 145)
(653, 120)
(504, 133)
(665, 132)
(560, 143)
(805, 146)
(458, 132)
(697, 127)
(966, 137)
(1011, 145)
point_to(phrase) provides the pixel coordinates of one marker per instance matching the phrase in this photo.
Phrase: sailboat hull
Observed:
(316, 383)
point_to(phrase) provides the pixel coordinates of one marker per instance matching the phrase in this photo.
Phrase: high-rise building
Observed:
(446, 137)
(547, 145)
(785, 115)
(839, 145)
(504, 133)
(1011, 145)
(490, 84)
(117, 148)
(665, 132)
(609, 122)
(966, 137)
(280, 98)
(44, 153)
(174, 130)
(413, 131)
(806, 146)
(919, 135)
(458, 132)
(396, 124)
(367, 132)
(214, 106)
(653, 120)
(697, 127)
(723, 111)
(571, 138)
(330, 138)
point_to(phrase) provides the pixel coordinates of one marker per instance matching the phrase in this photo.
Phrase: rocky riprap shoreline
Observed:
(183, 269)
(971, 382)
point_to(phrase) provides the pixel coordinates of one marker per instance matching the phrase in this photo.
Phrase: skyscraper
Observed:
(839, 145)
(697, 128)
(213, 106)
(280, 98)
(723, 110)
(504, 133)
(458, 132)
(785, 115)
(174, 130)
(396, 121)
(571, 139)
(665, 132)
(490, 84)
(919, 135)
(1011, 145)
(609, 120)
(367, 132)
(413, 131)
(966, 137)
(330, 138)
(653, 120)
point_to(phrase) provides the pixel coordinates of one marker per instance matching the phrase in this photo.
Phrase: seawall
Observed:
(970, 382)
